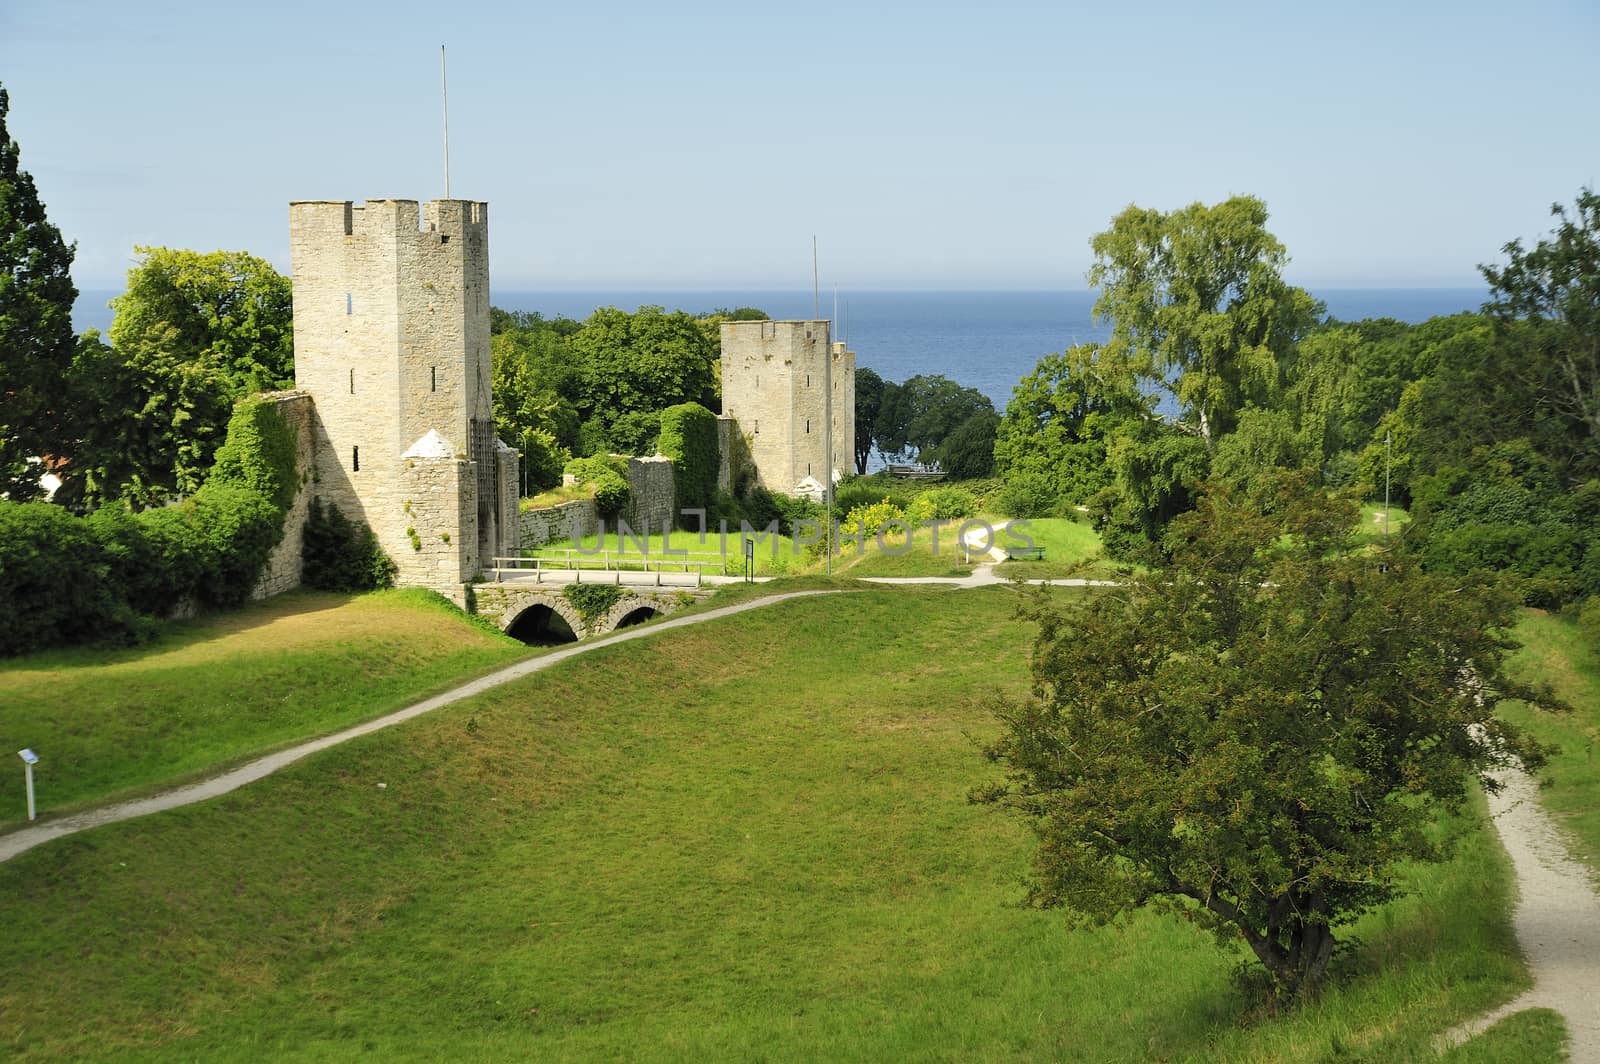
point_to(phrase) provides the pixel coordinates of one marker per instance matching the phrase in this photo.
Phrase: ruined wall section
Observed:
(571, 520)
(438, 500)
(651, 495)
(283, 569)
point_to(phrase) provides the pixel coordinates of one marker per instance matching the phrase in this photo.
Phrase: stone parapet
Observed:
(651, 494)
(570, 520)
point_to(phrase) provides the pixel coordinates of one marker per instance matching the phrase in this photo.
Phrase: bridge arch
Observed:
(543, 615)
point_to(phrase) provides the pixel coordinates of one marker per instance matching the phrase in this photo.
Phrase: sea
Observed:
(982, 339)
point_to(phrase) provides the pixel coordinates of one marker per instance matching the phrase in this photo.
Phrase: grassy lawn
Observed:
(743, 840)
(1370, 530)
(555, 497)
(1526, 1036)
(219, 688)
(774, 555)
(1071, 548)
(1554, 651)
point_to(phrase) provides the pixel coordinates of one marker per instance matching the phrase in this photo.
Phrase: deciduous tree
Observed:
(1557, 283)
(1258, 735)
(194, 333)
(1199, 310)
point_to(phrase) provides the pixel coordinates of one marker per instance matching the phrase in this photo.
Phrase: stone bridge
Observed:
(555, 613)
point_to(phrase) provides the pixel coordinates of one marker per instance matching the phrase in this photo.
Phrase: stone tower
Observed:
(391, 339)
(772, 385)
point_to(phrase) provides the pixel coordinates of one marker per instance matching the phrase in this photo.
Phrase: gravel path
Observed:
(27, 838)
(1557, 921)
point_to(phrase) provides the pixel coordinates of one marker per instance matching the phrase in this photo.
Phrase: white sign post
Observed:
(29, 759)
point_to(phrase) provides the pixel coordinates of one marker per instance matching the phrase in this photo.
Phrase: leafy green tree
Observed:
(36, 338)
(1054, 432)
(530, 415)
(1556, 286)
(1259, 736)
(1507, 509)
(193, 334)
(1199, 310)
(225, 309)
(869, 400)
(642, 363)
(916, 417)
(967, 453)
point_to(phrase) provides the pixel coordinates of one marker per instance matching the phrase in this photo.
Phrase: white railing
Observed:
(612, 563)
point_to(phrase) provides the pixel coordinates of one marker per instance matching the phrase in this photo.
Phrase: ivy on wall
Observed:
(689, 438)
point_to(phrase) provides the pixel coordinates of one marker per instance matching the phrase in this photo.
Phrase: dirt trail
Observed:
(1557, 921)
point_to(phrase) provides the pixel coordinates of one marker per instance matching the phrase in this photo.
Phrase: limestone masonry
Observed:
(772, 386)
(391, 342)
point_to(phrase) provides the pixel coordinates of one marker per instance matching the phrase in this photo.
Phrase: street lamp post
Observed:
(29, 759)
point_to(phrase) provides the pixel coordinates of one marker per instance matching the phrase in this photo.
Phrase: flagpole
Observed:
(444, 96)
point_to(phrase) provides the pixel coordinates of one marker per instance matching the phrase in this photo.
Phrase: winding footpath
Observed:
(1557, 916)
(1557, 921)
(25, 839)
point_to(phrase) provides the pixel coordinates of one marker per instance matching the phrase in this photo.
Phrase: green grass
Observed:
(217, 689)
(1371, 528)
(743, 840)
(1555, 652)
(1532, 1036)
(555, 497)
(1071, 548)
(774, 555)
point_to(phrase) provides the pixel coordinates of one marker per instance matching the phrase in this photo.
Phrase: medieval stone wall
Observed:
(571, 520)
(283, 569)
(651, 494)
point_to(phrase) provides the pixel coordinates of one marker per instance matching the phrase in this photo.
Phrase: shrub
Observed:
(942, 504)
(865, 522)
(52, 580)
(259, 453)
(592, 601)
(237, 529)
(1028, 494)
(864, 491)
(689, 438)
(338, 554)
(608, 475)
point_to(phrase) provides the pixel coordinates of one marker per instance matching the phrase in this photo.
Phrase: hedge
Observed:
(68, 579)
(689, 438)
(608, 474)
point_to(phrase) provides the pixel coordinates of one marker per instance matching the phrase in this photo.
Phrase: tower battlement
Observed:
(458, 219)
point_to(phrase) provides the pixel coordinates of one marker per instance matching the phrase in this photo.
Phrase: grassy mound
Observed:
(744, 839)
(218, 689)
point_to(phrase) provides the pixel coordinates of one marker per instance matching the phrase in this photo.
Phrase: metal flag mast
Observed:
(444, 96)
(827, 410)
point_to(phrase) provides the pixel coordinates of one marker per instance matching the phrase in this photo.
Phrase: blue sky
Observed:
(701, 145)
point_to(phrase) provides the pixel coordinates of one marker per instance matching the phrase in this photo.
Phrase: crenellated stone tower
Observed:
(391, 339)
(772, 386)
